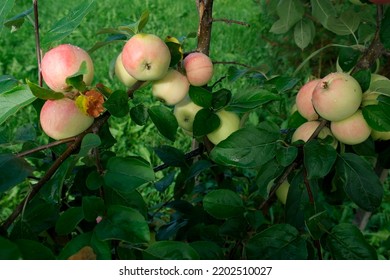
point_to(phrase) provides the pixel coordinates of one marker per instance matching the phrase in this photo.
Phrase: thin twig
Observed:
(233, 63)
(47, 146)
(37, 41)
(230, 21)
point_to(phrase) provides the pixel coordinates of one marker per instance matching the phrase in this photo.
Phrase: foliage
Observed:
(129, 188)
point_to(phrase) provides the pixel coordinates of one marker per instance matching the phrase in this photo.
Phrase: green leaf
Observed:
(171, 156)
(76, 80)
(34, 250)
(243, 101)
(117, 104)
(139, 114)
(128, 173)
(289, 12)
(94, 180)
(123, 223)
(208, 250)
(164, 120)
(7, 82)
(129, 198)
(17, 21)
(283, 84)
(14, 100)
(93, 207)
(248, 147)
(318, 159)
(5, 8)
(286, 155)
(205, 122)
(346, 242)
(44, 93)
(9, 250)
(68, 220)
(377, 116)
(13, 170)
(359, 180)
(69, 23)
(278, 242)
(223, 204)
(364, 78)
(100, 248)
(201, 96)
(346, 24)
(176, 53)
(90, 141)
(221, 99)
(170, 250)
(384, 33)
(304, 33)
(347, 58)
(322, 10)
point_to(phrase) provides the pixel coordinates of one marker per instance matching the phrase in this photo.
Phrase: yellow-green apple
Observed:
(146, 57)
(172, 88)
(62, 118)
(282, 191)
(303, 100)
(337, 96)
(352, 130)
(63, 61)
(185, 112)
(199, 68)
(122, 74)
(306, 130)
(230, 122)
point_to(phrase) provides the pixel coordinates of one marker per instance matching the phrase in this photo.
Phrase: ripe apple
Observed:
(62, 119)
(352, 130)
(172, 88)
(337, 96)
(199, 68)
(122, 74)
(146, 57)
(185, 112)
(230, 122)
(305, 130)
(303, 100)
(64, 61)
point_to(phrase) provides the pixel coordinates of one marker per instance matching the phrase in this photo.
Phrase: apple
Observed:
(352, 130)
(64, 61)
(146, 57)
(337, 96)
(306, 130)
(303, 100)
(380, 135)
(199, 68)
(62, 118)
(172, 88)
(185, 112)
(122, 74)
(282, 191)
(230, 122)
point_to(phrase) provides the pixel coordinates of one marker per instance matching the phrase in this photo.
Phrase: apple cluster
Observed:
(337, 98)
(147, 58)
(63, 118)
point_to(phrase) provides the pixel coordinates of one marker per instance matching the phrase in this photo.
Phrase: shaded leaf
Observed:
(13, 170)
(223, 204)
(205, 122)
(170, 250)
(117, 104)
(318, 159)
(164, 120)
(68, 220)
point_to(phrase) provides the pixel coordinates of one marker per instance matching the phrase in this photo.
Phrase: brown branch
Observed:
(37, 41)
(47, 146)
(205, 10)
(230, 21)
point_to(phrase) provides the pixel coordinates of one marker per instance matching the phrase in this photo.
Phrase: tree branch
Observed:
(37, 41)
(205, 10)
(230, 21)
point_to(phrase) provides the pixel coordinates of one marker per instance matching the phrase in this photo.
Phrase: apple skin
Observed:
(185, 112)
(123, 76)
(303, 100)
(230, 122)
(337, 96)
(62, 118)
(146, 57)
(352, 130)
(305, 130)
(282, 192)
(64, 61)
(199, 68)
(172, 88)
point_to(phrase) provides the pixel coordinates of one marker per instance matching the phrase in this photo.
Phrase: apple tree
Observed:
(294, 168)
